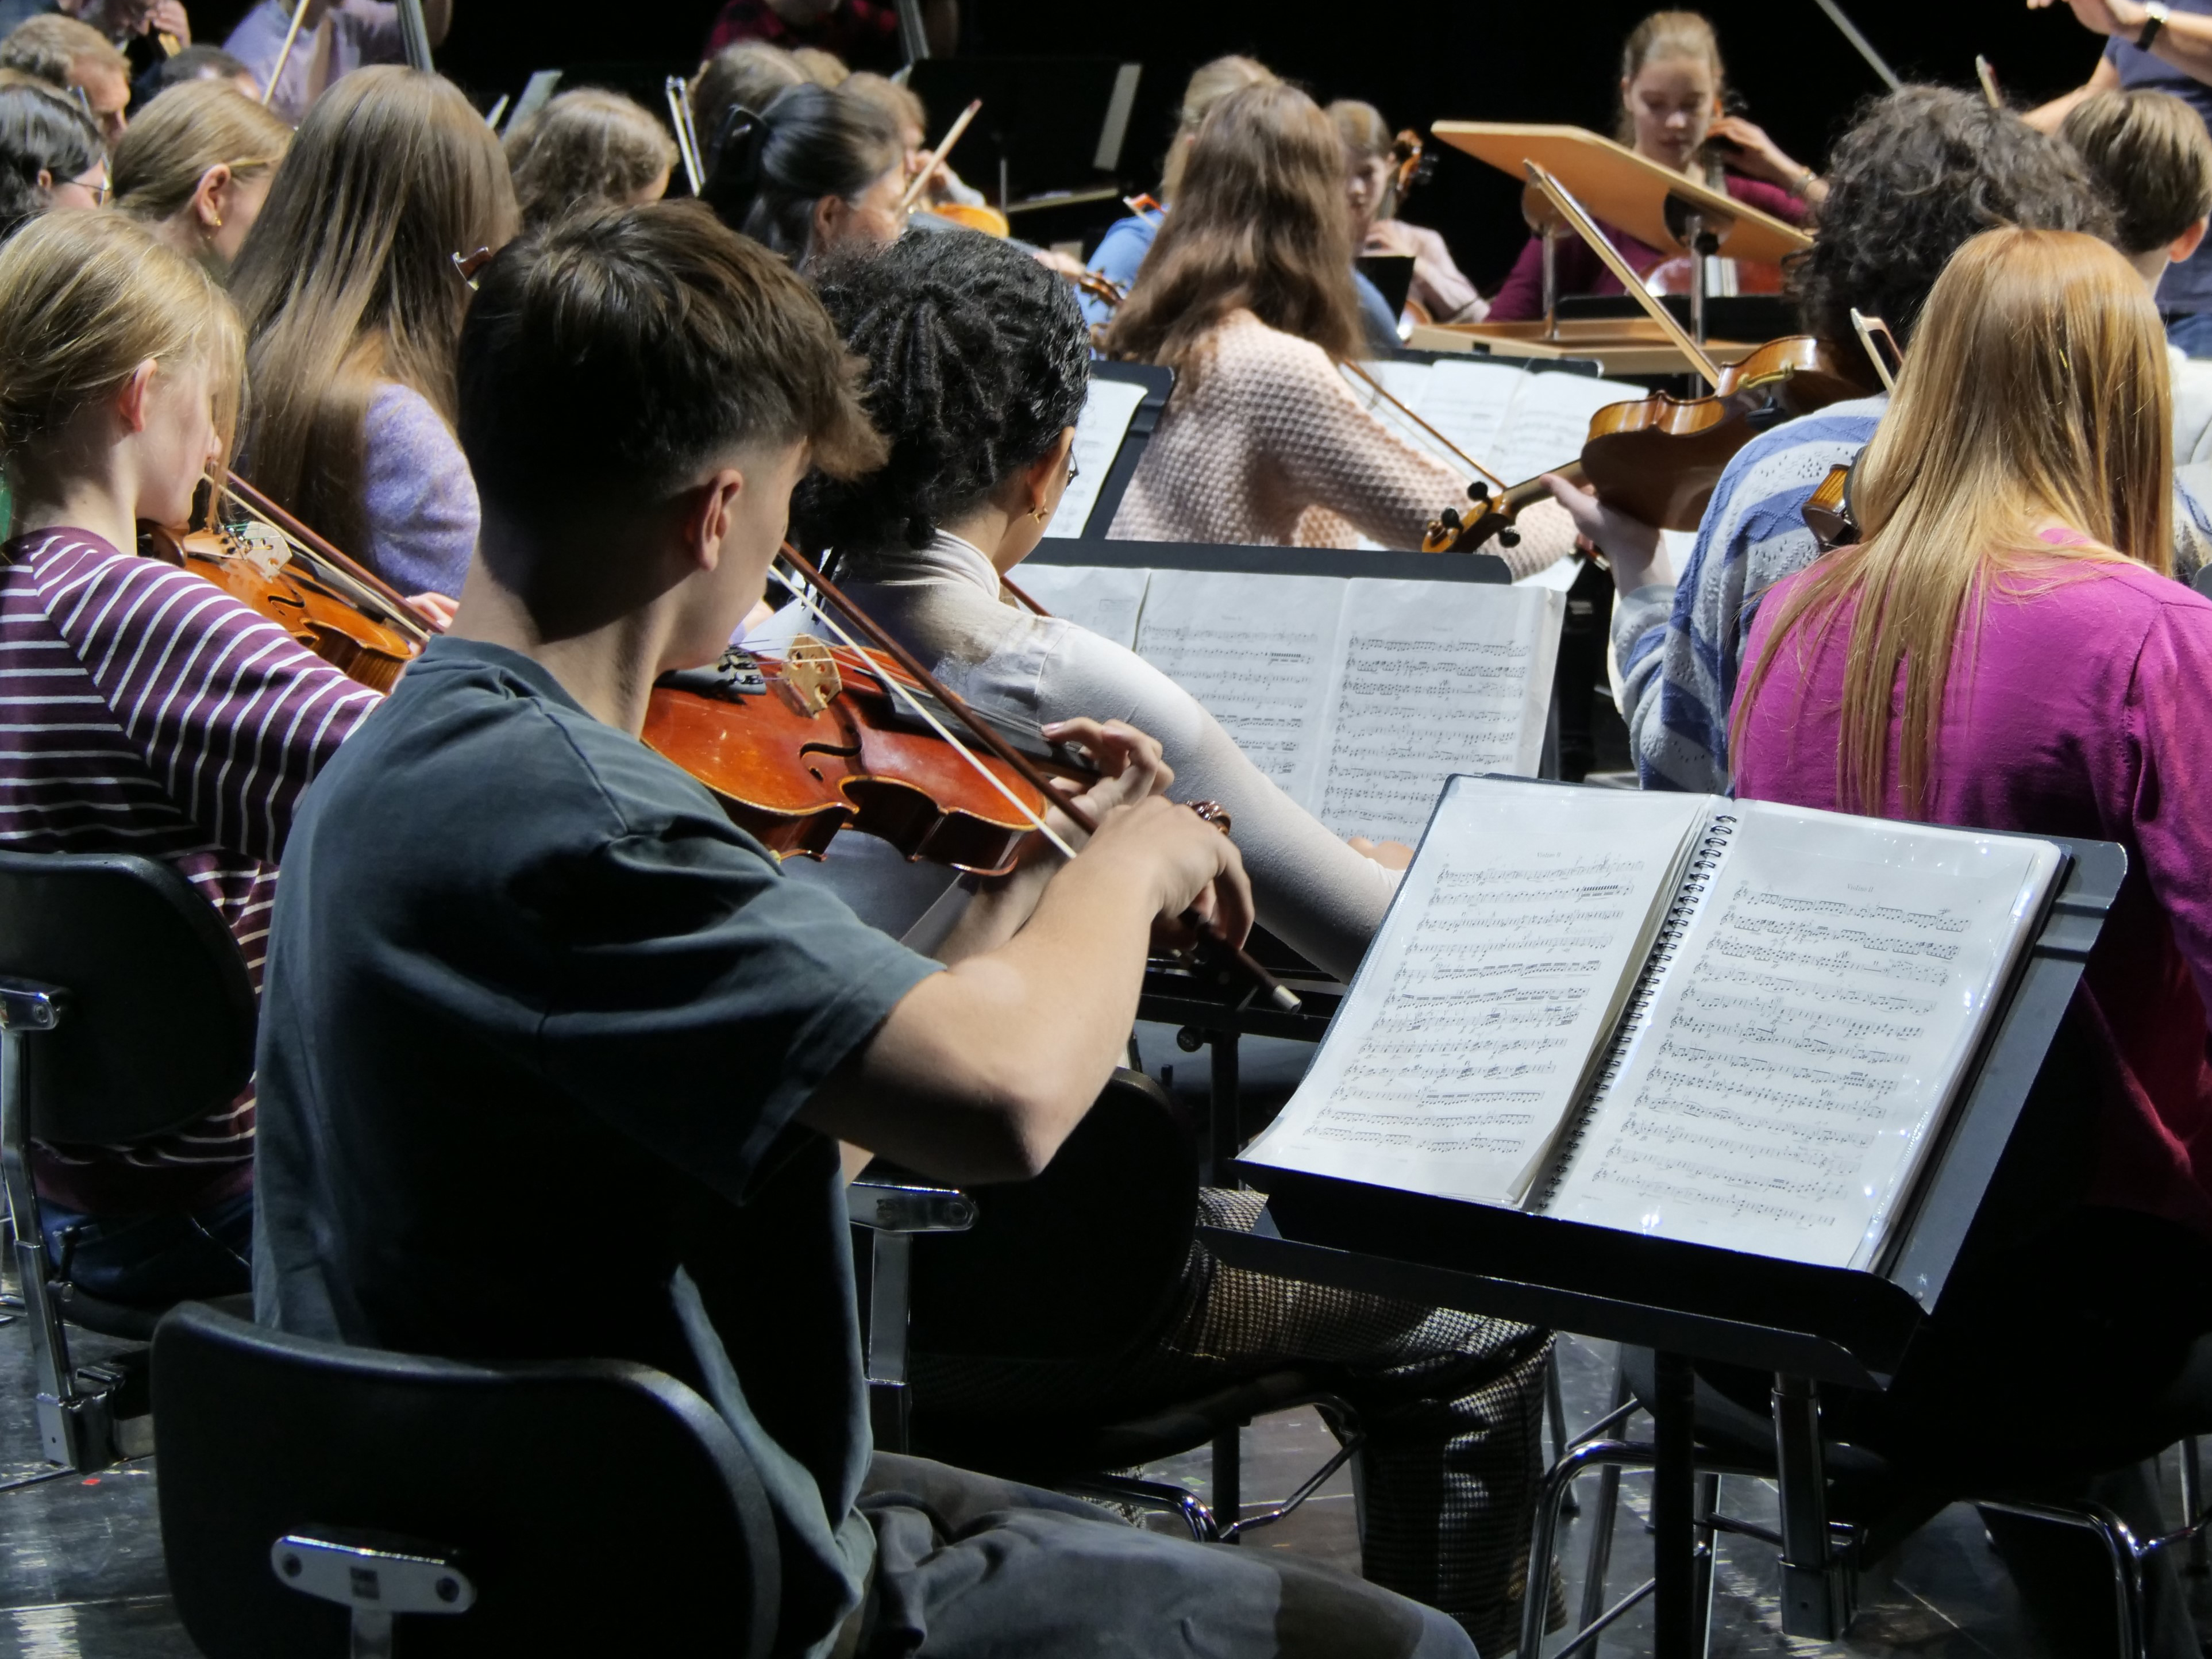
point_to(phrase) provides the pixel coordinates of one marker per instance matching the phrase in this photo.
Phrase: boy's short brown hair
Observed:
(2150, 152)
(58, 50)
(608, 356)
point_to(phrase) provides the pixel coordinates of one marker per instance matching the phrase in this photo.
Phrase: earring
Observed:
(1041, 513)
(218, 225)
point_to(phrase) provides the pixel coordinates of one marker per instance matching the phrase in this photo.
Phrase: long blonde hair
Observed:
(347, 278)
(165, 152)
(2035, 391)
(84, 299)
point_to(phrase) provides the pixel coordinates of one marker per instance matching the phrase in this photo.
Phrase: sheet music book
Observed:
(1358, 697)
(1515, 421)
(1108, 409)
(1730, 1023)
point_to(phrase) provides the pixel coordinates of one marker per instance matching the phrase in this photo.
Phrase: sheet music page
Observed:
(1436, 677)
(1408, 383)
(1807, 1034)
(1257, 652)
(1467, 403)
(1105, 600)
(1546, 425)
(1477, 1012)
(1107, 409)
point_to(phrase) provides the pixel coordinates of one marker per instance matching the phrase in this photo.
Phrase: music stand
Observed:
(1693, 1302)
(1159, 381)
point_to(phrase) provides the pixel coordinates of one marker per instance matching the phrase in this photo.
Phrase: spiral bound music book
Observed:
(1730, 1023)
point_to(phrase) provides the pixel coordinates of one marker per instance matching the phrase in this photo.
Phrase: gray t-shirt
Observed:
(537, 1021)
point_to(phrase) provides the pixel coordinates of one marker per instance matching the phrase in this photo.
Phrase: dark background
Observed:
(1539, 60)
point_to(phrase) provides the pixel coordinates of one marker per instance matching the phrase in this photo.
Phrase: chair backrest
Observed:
(1081, 1263)
(597, 1507)
(157, 1030)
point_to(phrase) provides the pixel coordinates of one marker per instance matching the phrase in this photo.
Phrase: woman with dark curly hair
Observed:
(1924, 169)
(978, 363)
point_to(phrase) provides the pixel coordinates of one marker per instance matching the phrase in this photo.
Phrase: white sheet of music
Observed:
(1107, 411)
(1546, 425)
(1467, 402)
(1434, 678)
(1105, 600)
(1832, 985)
(1255, 651)
(1467, 1034)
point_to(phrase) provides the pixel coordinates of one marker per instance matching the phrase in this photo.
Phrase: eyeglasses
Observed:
(1073, 471)
(99, 192)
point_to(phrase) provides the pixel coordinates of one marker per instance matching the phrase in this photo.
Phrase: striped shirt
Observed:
(143, 710)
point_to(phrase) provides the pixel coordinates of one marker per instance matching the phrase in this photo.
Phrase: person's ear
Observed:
(1044, 481)
(831, 213)
(706, 521)
(133, 401)
(46, 181)
(2188, 242)
(210, 195)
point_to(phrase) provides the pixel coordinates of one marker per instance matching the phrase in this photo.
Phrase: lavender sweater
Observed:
(419, 500)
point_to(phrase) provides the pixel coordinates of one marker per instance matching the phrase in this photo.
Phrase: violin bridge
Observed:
(260, 547)
(809, 679)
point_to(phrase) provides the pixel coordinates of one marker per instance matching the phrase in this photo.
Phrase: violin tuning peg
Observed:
(1477, 492)
(1450, 518)
(1508, 539)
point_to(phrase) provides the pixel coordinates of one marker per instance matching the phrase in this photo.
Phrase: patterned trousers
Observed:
(1452, 1404)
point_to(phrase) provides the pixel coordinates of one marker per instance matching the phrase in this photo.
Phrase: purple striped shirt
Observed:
(143, 710)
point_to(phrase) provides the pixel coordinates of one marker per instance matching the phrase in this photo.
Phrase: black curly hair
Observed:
(1923, 170)
(977, 360)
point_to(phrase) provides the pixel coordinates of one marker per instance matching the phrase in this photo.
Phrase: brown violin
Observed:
(1494, 515)
(825, 739)
(331, 606)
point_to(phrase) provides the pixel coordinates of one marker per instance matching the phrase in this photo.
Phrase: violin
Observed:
(1453, 532)
(988, 220)
(822, 740)
(1827, 511)
(347, 617)
(1409, 166)
(1658, 458)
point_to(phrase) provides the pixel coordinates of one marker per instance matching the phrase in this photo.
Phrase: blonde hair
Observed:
(1659, 37)
(824, 69)
(901, 103)
(586, 148)
(2150, 152)
(57, 48)
(1367, 136)
(163, 155)
(84, 299)
(348, 277)
(1209, 84)
(2035, 391)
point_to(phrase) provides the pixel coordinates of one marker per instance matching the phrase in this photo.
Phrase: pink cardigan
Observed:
(2077, 710)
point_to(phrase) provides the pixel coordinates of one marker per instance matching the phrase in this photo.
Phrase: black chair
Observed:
(125, 1013)
(1082, 1265)
(582, 1507)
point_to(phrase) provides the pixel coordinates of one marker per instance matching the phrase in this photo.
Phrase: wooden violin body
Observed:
(799, 748)
(255, 566)
(1658, 458)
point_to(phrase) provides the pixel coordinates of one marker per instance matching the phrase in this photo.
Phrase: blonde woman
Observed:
(353, 307)
(196, 168)
(2006, 651)
(148, 712)
(1247, 295)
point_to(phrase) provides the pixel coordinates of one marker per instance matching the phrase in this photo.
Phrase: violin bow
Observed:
(687, 132)
(1632, 284)
(384, 596)
(935, 158)
(284, 57)
(1209, 933)
(1008, 582)
(1386, 395)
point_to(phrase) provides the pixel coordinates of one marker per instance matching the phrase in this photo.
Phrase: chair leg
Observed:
(1597, 1556)
(2121, 1549)
(2193, 1503)
(1229, 1477)
(1555, 1407)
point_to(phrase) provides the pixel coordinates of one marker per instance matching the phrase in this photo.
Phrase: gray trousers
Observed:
(969, 1567)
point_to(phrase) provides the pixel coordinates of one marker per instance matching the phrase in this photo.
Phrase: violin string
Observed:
(900, 690)
(1384, 392)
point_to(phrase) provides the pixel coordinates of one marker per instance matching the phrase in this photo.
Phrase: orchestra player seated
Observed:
(605, 987)
(78, 59)
(911, 117)
(50, 154)
(1923, 170)
(978, 360)
(815, 173)
(197, 168)
(353, 306)
(336, 39)
(1248, 295)
(2005, 650)
(1438, 287)
(148, 713)
(585, 149)
(1672, 88)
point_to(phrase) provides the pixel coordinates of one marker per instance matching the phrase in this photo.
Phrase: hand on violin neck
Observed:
(1130, 765)
(1635, 550)
(435, 609)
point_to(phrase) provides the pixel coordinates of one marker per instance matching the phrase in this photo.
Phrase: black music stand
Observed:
(1693, 1302)
(1173, 993)
(1159, 381)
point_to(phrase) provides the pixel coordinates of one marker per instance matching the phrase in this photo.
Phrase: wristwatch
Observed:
(2155, 16)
